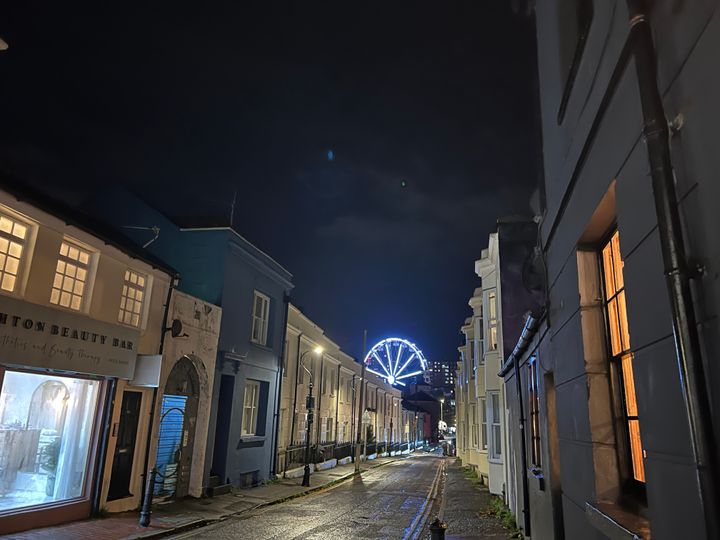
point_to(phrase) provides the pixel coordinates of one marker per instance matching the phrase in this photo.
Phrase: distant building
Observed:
(441, 374)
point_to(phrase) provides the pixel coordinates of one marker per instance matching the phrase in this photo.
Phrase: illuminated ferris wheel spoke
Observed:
(408, 375)
(387, 372)
(384, 357)
(406, 363)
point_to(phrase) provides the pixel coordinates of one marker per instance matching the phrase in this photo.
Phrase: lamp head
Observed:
(318, 350)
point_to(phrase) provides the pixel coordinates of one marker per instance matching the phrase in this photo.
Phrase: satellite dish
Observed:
(176, 328)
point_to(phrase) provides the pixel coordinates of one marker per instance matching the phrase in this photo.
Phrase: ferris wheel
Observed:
(395, 359)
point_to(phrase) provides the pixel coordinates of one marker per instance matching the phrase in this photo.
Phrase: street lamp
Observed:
(392, 416)
(309, 405)
(442, 403)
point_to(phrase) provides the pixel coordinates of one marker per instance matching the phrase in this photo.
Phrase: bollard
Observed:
(437, 529)
(147, 503)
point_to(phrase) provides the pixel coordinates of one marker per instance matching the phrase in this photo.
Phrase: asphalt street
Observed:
(386, 502)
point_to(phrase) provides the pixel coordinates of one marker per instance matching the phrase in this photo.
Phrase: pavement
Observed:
(178, 516)
(464, 504)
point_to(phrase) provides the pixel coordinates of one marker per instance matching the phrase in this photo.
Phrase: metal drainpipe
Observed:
(677, 274)
(148, 477)
(294, 411)
(321, 390)
(278, 398)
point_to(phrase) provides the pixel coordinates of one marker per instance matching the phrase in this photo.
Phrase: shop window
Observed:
(46, 427)
(495, 430)
(133, 298)
(250, 407)
(534, 402)
(13, 247)
(621, 357)
(71, 276)
(261, 316)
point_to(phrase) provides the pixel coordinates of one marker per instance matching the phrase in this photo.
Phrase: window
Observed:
(621, 357)
(473, 426)
(534, 399)
(71, 276)
(286, 352)
(483, 424)
(574, 18)
(250, 407)
(330, 428)
(492, 340)
(46, 437)
(13, 238)
(300, 421)
(133, 297)
(261, 316)
(495, 431)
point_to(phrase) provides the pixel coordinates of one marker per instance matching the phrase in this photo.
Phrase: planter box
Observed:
(345, 460)
(325, 465)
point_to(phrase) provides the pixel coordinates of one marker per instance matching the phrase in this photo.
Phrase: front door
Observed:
(125, 446)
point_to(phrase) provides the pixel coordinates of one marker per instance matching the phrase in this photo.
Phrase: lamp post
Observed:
(415, 434)
(309, 405)
(442, 406)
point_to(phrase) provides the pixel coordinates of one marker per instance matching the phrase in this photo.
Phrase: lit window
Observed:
(13, 236)
(616, 310)
(534, 399)
(133, 298)
(492, 341)
(261, 314)
(71, 276)
(250, 407)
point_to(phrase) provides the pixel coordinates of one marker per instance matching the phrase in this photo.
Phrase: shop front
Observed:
(56, 371)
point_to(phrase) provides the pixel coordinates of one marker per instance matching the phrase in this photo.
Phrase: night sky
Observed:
(372, 146)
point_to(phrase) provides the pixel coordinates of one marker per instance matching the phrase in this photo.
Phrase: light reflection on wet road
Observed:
(381, 504)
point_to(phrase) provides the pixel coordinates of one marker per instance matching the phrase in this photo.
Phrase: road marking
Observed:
(418, 524)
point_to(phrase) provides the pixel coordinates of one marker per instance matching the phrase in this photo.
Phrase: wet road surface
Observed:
(383, 503)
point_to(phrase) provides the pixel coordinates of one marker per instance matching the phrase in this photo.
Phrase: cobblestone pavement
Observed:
(383, 503)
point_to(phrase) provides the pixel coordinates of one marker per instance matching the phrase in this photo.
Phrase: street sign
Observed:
(366, 418)
(309, 403)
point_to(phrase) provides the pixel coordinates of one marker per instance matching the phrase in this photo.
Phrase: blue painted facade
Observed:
(220, 266)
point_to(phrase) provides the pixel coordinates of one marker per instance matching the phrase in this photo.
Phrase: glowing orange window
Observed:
(619, 336)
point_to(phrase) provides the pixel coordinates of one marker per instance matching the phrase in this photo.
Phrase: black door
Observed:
(125, 447)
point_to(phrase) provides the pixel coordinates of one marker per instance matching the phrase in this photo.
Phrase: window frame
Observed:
(254, 408)
(89, 267)
(534, 415)
(264, 318)
(483, 424)
(26, 243)
(125, 298)
(493, 339)
(495, 438)
(630, 484)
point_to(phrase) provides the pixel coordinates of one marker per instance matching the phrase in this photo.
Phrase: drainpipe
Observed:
(278, 398)
(108, 406)
(294, 413)
(321, 390)
(149, 476)
(337, 405)
(677, 274)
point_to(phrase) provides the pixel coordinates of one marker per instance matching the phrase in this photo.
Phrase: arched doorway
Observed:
(176, 436)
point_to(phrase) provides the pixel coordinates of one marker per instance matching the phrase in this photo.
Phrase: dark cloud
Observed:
(192, 104)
